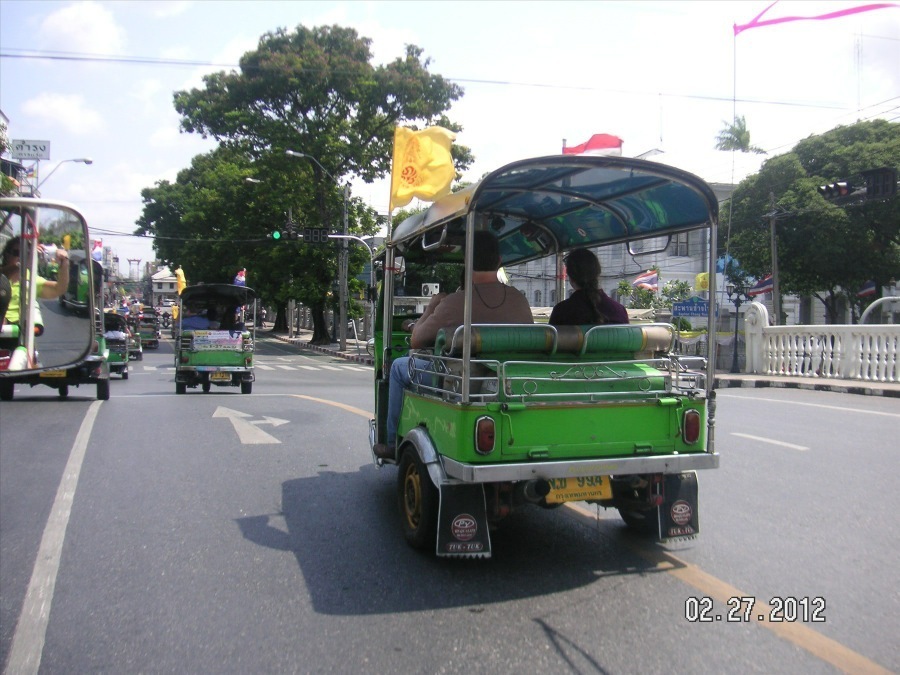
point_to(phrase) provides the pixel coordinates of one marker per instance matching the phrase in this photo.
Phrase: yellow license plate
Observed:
(220, 377)
(54, 373)
(579, 489)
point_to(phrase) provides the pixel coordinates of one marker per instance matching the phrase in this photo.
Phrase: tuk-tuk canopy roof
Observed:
(217, 294)
(557, 203)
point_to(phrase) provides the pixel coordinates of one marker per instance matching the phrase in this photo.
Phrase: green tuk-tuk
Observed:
(215, 337)
(148, 328)
(502, 416)
(119, 342)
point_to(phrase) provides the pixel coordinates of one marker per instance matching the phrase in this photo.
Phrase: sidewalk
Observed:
(356, 351)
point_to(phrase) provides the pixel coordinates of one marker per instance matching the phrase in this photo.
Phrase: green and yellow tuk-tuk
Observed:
(119, 342)
(502, 416)
(148, 328)
(215, 337)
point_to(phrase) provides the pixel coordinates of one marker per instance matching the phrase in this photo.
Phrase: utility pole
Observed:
(343, 268)
(776, 291)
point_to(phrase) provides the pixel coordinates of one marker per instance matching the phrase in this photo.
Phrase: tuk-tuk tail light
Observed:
(484, 435)
(691, 426)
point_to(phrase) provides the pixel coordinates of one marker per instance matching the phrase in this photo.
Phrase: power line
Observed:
(155, 61)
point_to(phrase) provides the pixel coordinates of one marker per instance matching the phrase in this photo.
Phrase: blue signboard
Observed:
(693, 307)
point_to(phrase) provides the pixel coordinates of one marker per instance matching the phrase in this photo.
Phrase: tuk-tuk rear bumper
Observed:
(188, 374)
(499, 473)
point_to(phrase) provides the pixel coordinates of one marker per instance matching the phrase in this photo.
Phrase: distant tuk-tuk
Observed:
(148, 328)
(215, 337)
(502, 416)
(119, 342)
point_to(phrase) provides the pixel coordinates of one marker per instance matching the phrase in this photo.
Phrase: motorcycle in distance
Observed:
(51, 333)
(502, 417)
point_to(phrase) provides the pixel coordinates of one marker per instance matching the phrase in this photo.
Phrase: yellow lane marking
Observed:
(801, 635)
(342, 406)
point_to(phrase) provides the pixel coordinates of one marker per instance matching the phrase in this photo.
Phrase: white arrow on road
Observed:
(274, 421)
(247, 432)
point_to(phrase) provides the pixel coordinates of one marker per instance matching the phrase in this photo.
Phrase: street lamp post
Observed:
(343, 263)
(737, 295)
(82, 160)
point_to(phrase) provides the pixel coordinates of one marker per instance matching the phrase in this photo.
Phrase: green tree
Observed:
(735, 136)
(826, 249)
(314, 91)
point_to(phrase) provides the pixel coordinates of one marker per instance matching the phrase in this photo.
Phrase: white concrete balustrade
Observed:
(868, 353)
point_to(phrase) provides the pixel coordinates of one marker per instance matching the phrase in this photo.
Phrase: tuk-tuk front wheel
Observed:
(180, 388)
(418, 498)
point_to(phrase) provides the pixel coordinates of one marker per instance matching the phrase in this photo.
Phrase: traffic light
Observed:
(835, 190)
(880, 182)
(276, 235)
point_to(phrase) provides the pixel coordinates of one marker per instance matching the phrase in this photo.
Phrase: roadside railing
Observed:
(868, 353)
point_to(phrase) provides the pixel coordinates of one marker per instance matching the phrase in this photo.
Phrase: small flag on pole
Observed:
(240, 279)
(701, 282)
(422, 165)
(764, 285)
(648, 280)
(867, 289)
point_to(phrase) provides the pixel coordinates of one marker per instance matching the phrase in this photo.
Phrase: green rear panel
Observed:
(556, 431)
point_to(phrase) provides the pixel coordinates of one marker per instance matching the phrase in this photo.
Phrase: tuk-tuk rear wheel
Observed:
(206, 387)
(180, 388)
(418, 499)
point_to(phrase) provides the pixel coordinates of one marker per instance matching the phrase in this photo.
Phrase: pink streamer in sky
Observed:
(756, 23)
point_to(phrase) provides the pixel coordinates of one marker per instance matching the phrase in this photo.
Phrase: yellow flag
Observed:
(701, 282)
(181, 283)
(422, 166)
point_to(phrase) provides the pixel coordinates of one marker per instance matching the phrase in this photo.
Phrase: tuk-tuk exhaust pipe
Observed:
(535, 490)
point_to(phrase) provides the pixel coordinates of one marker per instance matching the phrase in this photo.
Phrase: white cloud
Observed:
(85, 27)
(68, 111)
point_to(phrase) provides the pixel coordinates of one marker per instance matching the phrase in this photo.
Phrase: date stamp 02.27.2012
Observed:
(741, 609)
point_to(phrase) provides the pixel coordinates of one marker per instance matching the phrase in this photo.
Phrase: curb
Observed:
(330, 350)
(755, 383)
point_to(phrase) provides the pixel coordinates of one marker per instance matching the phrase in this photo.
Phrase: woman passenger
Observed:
(589, 304)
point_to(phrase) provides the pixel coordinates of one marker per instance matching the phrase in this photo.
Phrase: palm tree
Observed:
(736, 137)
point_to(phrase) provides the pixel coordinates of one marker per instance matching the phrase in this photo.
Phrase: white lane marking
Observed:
(285, 367)
(149, 367)
(330, 368)
(245, 429)
(771, 440)
(308, 367)
(264, 367)
(31, 629)
(811, 405)
(357, 368)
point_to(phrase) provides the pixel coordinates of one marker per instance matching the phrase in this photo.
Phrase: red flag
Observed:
(599, 144)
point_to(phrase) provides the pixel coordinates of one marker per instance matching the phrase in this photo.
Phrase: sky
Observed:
(663, 76)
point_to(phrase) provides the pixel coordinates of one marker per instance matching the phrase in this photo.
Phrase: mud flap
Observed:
(462, 523)
(679, 517)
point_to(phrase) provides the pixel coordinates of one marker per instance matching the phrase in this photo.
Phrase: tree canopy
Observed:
(826, 248)
(313, 91)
